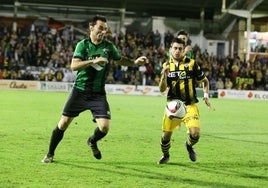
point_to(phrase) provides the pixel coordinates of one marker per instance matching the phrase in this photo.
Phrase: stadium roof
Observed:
(174, 8)
(185, 12)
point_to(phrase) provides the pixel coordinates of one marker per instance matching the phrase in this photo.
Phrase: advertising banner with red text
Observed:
(242, 94)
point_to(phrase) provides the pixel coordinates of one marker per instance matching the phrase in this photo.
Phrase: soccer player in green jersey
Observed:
(91, 61)
(188, 52)
(180, 74)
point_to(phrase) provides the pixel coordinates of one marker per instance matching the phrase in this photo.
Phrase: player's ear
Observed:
(90, 28)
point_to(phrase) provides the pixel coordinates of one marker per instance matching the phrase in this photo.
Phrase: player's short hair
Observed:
(177, 40)
(183, 32)
(96, 18)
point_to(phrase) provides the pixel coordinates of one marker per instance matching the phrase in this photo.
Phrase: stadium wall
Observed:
(127, 89)
(67, 86)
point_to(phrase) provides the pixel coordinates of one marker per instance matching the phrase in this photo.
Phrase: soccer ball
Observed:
(175, 109)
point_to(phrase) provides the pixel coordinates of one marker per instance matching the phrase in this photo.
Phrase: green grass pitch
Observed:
(232, 152)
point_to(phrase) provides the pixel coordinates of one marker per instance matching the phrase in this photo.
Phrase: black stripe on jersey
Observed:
(177, 86)
(186, 83)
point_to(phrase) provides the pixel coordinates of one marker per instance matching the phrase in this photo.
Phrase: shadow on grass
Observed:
(232, 169)
(234, 139)
(147, 170)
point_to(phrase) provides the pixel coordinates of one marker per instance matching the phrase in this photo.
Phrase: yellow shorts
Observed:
(191, 119)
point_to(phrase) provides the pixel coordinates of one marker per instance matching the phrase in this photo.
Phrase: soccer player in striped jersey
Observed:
(179, 75)
(91, 61)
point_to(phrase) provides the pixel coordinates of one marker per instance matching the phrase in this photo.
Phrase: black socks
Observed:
(56, 137)
(98, 134)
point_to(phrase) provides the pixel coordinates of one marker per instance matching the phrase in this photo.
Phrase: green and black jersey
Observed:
(190, 54)
(181, 80)
(92, 79)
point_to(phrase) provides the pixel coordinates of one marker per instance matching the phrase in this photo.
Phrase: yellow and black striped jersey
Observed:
(181, 80)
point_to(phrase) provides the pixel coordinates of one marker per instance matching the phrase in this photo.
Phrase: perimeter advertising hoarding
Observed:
(18, 85)
(242, 94)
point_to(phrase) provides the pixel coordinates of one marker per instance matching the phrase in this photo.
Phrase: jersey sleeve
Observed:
(164, 65)
(200, 75)
(115, 54)
(80, 50)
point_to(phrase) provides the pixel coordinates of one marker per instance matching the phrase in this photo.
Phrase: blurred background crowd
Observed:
(42, 54)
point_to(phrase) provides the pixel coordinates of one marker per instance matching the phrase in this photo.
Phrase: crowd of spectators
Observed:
(41, 53)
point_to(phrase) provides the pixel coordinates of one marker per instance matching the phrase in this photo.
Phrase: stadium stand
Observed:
(39, 54)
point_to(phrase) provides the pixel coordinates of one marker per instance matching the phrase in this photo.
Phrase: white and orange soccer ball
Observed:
(175, 109)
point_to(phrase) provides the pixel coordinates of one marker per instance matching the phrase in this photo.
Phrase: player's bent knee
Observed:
(195, 136)
(64, 122)
(103, 124)
(166, 136)
(104, 129)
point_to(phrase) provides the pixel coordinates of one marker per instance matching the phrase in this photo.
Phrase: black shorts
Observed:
(80, 101)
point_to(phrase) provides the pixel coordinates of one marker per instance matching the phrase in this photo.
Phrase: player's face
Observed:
(177, 50)
(98, 31)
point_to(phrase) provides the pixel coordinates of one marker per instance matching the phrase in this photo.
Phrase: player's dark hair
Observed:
(177, 40)
(183, 32)
(96, 18)
(189, 42)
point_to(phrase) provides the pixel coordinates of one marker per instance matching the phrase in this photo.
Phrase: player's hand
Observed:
(165, 70)
(141, 60)
(100, 60)
(187, 49)
(210, 107)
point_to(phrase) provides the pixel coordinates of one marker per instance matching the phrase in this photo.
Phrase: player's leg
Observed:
(100, 132)
(168, 126)
(56, 137)
(165, 146)
(101, 112)
(192, 139)
(193, 135)
(74, 105)
(192, 123)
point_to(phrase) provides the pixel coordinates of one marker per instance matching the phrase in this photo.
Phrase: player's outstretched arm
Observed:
(210, 107)
(129, 62)
(205, 83)
(163, 79)
(141, 60)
